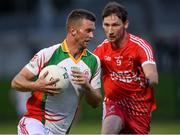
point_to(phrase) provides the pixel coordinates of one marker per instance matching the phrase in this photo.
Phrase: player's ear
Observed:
(126, 24)
(73, 31)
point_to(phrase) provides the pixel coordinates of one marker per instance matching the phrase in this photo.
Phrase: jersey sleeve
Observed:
(40, 59)
(145, 53)
(98, 52)
(36, 63)
(96, 79)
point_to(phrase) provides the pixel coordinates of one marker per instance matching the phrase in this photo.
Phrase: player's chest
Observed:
(80, 66)
(120, 60)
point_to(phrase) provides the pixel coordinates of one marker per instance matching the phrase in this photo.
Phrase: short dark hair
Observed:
(115, 8)
(78, 14)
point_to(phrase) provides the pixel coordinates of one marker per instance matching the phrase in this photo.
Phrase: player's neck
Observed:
(73, 48)
(121, 42)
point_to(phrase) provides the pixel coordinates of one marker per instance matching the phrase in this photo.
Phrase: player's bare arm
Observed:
(150, 71)
(93, 96)
(23, 81)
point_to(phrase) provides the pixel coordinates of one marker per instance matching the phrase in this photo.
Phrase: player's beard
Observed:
(119, 38)
(84, 45)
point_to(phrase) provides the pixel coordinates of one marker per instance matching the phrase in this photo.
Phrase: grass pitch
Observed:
(165, 127)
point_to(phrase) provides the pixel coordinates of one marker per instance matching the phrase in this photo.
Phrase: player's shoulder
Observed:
(50, 49)
(138, 41)
(135, 37)
(91, 57)
(48, 52)
(103, 43)
(53, 47)
(102, 47)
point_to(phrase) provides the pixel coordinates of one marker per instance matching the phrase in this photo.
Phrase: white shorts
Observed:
(32, 126)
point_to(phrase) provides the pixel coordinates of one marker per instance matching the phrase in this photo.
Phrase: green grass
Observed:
(8, 128)
(165, 127)
(94, 128)
(156, 128)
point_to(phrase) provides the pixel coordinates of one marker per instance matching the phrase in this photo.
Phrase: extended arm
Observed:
(23, 81)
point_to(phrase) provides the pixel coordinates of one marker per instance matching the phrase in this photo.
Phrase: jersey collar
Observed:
(66, 49)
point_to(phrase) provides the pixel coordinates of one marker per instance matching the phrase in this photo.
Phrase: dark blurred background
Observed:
(26, 26)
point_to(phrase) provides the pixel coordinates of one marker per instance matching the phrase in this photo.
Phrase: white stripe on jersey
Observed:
(142, 44)
(105, 41)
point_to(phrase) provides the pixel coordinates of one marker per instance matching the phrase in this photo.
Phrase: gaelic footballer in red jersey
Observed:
(129, 75)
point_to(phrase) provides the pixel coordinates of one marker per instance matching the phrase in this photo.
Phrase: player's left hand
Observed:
(79, 78)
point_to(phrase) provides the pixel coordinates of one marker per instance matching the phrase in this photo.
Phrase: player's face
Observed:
(85, 33)
(114, 28)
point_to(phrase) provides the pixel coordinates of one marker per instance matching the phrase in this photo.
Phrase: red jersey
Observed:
(122, 72)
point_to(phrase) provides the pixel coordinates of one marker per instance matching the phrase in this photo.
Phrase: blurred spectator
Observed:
(19, 100)
(161, 52)
(167, 50)
(174, 53)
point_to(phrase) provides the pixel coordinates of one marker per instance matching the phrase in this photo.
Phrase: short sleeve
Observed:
(96, 79)
(145, 53)
(36, 63)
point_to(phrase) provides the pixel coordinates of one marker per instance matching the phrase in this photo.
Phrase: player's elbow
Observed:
(153, 81)
(96, 103)
(156, 82)
(13, 84)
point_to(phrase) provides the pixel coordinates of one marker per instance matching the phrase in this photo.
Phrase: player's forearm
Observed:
(151, 74)
(152, 80)
(93, 97)
(21, 84)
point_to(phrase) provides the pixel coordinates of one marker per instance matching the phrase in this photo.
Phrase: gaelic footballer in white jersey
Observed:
(57, 112)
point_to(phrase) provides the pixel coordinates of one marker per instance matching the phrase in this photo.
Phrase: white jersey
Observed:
(57, 112)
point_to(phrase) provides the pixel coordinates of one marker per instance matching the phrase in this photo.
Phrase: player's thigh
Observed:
(139, 124)
(112, 124)
(31, 126)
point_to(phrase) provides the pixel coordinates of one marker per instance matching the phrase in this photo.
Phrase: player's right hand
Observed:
(47, 86)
